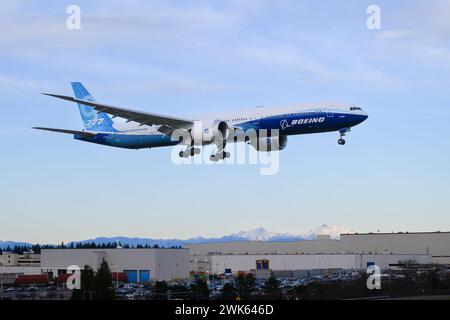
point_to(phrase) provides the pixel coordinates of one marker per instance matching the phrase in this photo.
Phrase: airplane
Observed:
(150, 130)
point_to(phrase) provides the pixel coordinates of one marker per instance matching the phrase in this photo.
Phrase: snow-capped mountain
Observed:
(262, 234)
(258, 234)
(333, 231)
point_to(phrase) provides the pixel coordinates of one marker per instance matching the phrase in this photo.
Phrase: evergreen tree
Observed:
(245, 284)
(160, 290)
(179, 291)
(272, 287)
(87, 291)
(229, 292)
(200, 290)
(104, 284)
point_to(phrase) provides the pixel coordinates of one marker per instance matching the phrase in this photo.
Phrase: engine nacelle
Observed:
(207, 132)
(268, 144)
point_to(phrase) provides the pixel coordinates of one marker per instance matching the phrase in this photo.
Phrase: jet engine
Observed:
(207, 132)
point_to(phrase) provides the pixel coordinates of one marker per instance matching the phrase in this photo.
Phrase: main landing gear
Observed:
(220, 155)
(189, 152)
(342, 133)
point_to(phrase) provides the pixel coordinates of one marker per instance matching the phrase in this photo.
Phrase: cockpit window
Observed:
(355, 108)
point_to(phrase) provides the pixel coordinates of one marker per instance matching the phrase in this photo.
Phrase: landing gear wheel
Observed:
(189, 152)
(220, 155)
(341, 142)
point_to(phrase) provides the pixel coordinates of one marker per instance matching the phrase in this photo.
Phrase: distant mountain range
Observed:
(259, 234)
(6, 244)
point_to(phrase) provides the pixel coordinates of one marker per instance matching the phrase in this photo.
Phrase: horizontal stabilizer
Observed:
(82, 133)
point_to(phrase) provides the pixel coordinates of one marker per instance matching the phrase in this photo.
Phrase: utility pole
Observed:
(117, 276)
(1, 280)
(116, 267)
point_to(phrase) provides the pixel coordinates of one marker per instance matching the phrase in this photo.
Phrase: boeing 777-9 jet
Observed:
(269, 127)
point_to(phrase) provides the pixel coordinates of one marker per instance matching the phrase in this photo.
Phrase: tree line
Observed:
(21, 249)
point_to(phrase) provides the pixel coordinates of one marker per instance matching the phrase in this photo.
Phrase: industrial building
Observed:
(437, 244)
(27, 259)
(235, 263)
(13, 265)
(351, 252)
(139, 265)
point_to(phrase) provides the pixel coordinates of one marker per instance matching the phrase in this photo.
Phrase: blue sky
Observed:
(189, 57)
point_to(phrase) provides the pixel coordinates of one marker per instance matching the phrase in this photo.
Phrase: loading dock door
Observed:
(144, 276)
(131, 276)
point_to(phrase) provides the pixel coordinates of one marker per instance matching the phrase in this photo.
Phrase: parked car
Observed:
(32, 289)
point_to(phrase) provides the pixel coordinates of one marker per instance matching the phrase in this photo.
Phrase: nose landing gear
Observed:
(342, 133)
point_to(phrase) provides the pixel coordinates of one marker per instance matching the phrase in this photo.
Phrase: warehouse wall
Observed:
(434, 243)
(437, 244)
(163, 264)
(170, 266)
(20, 270)
(282, 262)
(264, 247)
(218, 263)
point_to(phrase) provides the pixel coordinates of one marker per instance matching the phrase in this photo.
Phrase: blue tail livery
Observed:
(93, 120)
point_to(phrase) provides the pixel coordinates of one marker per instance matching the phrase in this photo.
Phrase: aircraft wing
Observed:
(82, 133)
(166, 124)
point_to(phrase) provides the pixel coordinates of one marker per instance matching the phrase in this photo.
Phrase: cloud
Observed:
(164, 46)
(108, 24)
(394, 34)
(419, 35)
(283, 56)
(437, 56)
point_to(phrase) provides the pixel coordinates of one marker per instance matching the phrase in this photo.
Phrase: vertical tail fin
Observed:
(93, 120)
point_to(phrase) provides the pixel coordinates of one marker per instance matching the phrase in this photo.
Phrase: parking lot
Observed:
(34, 292)
(134, 291)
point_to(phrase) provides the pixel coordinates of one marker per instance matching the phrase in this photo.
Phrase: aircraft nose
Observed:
(365, 116)
(361, 117)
